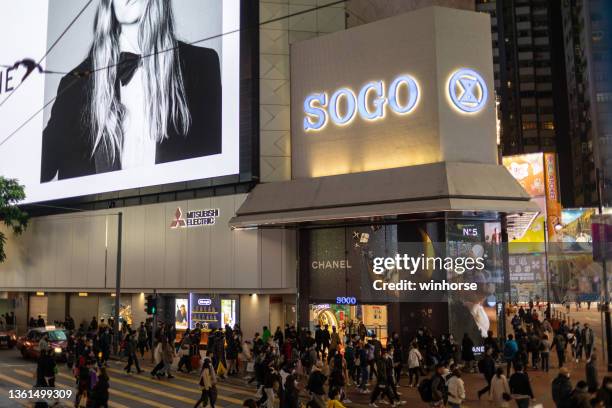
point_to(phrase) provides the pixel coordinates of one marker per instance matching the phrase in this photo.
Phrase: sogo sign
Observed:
(317, 115)
(467, 91)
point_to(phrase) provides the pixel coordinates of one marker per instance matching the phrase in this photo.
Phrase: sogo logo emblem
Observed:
(467, 91)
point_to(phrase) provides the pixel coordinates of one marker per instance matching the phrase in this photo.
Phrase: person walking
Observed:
(46, 369)
(467, 352)
(520, 387)
(562, 389)
(362, 356)
(545, 352)
(588, 339)
(510, 352)
(560, 344)
(131, 347)
(605, 392)
(456, 389)
(168, 358)
(486, 366)
(158, 359)
(99, 393)
(439, 392)
(581, 398)
(591, 374)
(414, 365)
(500, 389)
(382, 386)
(208, 381)
(316, 381)
(142, 339)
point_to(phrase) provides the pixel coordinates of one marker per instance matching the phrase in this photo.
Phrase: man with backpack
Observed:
(433, 390)
(382, 383)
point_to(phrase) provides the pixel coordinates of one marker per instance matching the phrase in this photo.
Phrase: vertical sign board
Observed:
(553, 207)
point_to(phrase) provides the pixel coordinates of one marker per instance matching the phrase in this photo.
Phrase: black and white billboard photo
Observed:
(135, 98)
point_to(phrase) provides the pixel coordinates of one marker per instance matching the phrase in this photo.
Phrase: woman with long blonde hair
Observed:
(140, 98)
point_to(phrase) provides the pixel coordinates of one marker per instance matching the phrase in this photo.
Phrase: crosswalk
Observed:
(127, 390)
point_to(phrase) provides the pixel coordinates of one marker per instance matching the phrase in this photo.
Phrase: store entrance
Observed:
(363, 320)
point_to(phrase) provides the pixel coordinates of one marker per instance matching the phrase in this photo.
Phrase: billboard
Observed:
(141, 93)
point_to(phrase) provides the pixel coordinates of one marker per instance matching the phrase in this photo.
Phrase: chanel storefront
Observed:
(394, 153)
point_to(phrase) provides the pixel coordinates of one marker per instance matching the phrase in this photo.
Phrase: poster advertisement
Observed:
(181, 313)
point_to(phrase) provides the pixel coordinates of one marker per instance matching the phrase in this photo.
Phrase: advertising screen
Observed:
(181, 312)
(136, 93)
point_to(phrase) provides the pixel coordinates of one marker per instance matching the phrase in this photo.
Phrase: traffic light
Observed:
(151, 305)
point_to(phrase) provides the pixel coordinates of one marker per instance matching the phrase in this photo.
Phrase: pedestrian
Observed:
(249, 403)
(208, 381)
(438, 386)
(316, 381)
(414, 365)
(456, 389)
(591, 373)
(158, 359)
(362, 357)
(83, 381)
(560, 344)
(131, 346)
(142, 339)
(382, 386)
(291, 393)
(184, 353)
(168, 358)
(99, 392)
(46, 369)
(604, 394)
(510, 353)
(334, 399)
(562, 389)
(581, 397)
(266, 334)
(588, 339)
(334, 343)
(500, 390)
(545, 352)
(520, 387)
(486, 366)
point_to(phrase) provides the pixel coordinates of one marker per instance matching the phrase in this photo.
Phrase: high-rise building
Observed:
(587, 41)
(530, 79)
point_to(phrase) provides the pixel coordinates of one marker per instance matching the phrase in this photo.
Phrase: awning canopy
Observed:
(433, 187)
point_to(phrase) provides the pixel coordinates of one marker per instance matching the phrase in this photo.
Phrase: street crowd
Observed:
(291, 367)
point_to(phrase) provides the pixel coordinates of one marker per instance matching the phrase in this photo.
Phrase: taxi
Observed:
(57, 341)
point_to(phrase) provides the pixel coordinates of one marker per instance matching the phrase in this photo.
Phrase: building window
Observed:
(547, 125)
(604, 97)
(530, 125)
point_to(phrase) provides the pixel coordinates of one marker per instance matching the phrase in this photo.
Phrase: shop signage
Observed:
(335, 264)
(468, 90)
(341, 300)
(196, 218)
(369, 103)
(204, 302)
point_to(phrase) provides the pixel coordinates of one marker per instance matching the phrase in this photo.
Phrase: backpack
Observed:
(425, 390)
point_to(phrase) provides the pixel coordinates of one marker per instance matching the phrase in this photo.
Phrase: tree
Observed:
(11, 192)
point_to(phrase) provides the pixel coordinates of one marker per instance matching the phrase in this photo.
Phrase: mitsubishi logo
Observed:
(179, 221)
(468, 90)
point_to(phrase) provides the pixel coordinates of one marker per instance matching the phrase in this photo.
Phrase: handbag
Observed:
(250, 367)
(506, 396)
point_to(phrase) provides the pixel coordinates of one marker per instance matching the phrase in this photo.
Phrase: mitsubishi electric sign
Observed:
(367, 98)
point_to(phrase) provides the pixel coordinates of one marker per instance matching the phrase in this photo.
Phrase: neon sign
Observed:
(369, 103)
(341, 300)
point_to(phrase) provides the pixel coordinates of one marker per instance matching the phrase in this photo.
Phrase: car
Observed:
(57, 339)
(8, 338)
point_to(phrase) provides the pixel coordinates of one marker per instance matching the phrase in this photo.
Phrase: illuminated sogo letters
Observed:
(370, 103)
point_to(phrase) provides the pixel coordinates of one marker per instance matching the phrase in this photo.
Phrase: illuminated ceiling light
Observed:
(83, 294)
(40, 293)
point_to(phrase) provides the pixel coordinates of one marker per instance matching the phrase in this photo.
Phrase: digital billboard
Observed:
(137, 92)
